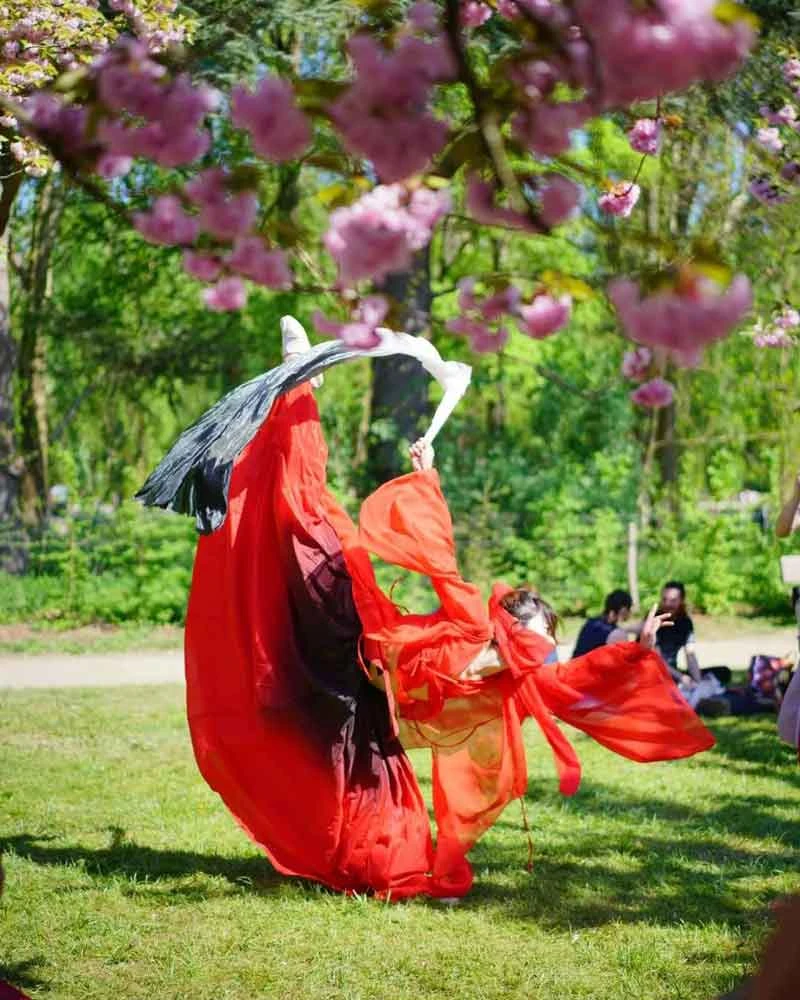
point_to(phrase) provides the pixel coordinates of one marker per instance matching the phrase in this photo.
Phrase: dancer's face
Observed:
(538, 624)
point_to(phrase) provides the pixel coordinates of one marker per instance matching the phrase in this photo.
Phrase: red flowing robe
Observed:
(305, 752)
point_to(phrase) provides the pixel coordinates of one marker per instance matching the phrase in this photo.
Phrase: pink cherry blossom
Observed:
(481, 206)
(378, 234)
(791, 71)
(428, 207)
(64, 125)
(278, 128)
(474, 13)
(786, 116)
(154, 142)
(559, 198)
(483, 338)
(791, 172)
(269, 268)
(466, 294)
(184, 105)
(536, 78)
(788, 318)
(763, 190)
(110, 166)
(202, 266)
(229, 217)
(167, 223)
(509, 9)
(636, 363)
(621, 199)
(773, 338)
(479, 319)
(655, 394)
(383, 114)
(180, 148)
(223, 213)
(227, 295)
(424, 16)
(770, 138)
(122, 87)
(545, 315)
(208, 186)
(645, 136)
(361, 330)
(546, 127)
(645, 50)
(504, 301)
(682, 319)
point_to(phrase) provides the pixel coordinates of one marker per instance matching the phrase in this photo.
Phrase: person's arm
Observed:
(486, 663)
(407, 524)
(647, 637)
(618, 635)
(786, 519)
(691, 659)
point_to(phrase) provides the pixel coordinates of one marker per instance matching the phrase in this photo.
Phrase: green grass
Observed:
(38, 639)
(127, 879)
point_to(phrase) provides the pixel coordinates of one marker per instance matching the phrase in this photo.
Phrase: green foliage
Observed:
(128, 565)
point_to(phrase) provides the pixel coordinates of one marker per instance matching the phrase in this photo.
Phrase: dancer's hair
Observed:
(524, 603)
(617, 600)
(675, 585)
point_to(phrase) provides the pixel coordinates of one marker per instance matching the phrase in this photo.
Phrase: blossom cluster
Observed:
(481, 319)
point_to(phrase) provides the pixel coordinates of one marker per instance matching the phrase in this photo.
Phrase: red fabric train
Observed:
(305, 752)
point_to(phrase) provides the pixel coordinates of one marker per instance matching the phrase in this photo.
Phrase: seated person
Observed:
(606, 629)
(677, 634)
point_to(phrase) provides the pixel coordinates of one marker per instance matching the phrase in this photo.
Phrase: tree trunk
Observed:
(399, 395)
(12, 557)
(32, 359)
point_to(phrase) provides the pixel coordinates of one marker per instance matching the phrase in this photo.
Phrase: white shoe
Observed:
(294, 340)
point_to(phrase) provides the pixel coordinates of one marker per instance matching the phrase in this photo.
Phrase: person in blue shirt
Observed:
(608, 627)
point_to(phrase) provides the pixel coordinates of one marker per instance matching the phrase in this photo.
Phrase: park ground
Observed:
(126, 877)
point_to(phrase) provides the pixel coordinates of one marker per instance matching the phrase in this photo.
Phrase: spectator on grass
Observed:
(606, 629)
(678, 634)
(789, 717)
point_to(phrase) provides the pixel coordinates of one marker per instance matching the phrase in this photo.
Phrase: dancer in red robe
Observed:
(306, 684)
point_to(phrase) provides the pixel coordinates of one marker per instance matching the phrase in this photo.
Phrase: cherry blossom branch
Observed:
(485, 117)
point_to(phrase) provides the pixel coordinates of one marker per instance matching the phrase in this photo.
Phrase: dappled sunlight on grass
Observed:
(127, 877)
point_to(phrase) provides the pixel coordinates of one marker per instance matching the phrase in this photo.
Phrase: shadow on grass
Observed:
(631, 872)
(23, 974)
(150, 870)
(755, 739)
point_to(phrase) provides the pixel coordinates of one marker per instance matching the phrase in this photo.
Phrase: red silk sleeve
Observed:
(623, 696)
(407, 523)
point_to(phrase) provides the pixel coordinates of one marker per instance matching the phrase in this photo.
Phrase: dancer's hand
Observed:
(652, 624)
(485, 664)
(422, 455)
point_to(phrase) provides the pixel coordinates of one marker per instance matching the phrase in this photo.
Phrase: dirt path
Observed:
(166, 666)
(91, 669)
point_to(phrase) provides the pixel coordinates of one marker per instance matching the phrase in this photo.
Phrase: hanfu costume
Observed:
(286, 621)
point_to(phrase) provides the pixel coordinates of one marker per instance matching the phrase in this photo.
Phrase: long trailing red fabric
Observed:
(284, 610)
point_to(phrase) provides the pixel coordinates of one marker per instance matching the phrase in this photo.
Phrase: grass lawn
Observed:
(127, 879)
(39, 639)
